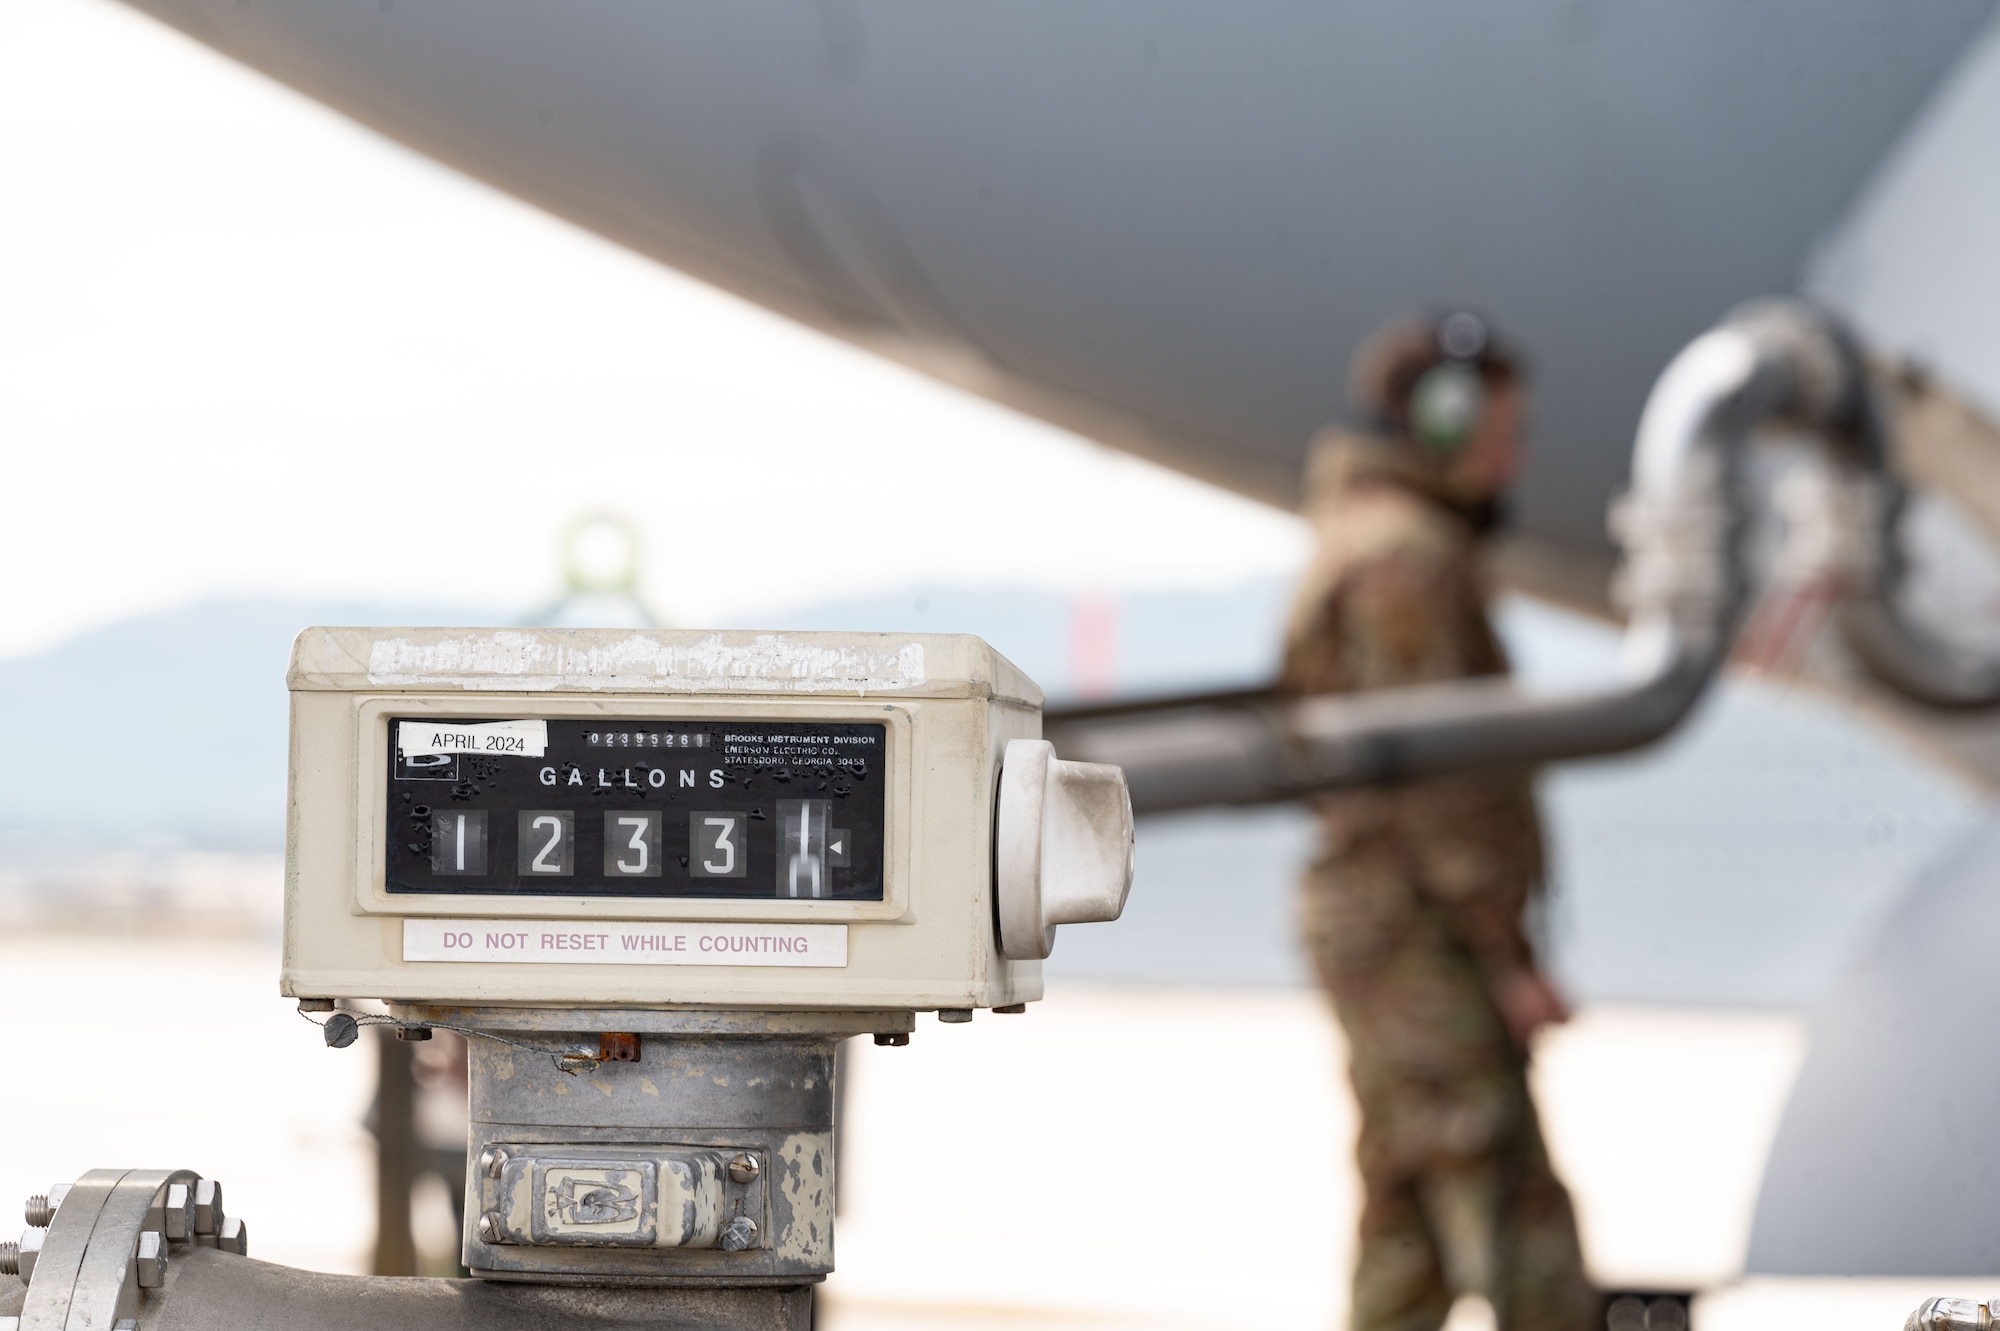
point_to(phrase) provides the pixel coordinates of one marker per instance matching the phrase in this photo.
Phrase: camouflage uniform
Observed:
(1412, 912)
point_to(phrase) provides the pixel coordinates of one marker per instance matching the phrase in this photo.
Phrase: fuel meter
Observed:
(584, 817)
(685, 866)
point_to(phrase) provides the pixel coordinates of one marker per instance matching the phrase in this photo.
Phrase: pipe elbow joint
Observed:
(1827, 376)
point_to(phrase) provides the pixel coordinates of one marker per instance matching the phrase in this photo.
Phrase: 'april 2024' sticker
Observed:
(494, 739)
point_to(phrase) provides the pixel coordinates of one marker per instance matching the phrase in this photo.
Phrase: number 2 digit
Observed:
(540, 864)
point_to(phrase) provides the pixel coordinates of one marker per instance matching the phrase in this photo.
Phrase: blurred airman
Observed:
(1413, 909)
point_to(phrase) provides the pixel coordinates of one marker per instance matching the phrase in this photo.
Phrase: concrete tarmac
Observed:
(1119, 1156)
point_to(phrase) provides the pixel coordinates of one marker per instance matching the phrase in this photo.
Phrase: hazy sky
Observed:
(247, 347)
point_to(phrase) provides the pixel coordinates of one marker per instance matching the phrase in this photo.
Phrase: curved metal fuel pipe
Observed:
(1684, 583)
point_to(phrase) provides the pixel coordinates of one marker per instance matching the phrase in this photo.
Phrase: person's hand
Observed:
(1528, 1002)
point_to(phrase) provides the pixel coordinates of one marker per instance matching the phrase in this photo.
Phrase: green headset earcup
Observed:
(1445, 406)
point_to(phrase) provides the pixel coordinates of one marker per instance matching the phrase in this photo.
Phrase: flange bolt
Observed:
(177, 1213)
(208, 1212)
(40, 1213)
(150, 1262)
(18, 1259)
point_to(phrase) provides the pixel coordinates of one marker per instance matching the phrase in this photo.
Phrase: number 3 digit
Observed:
(638, 843)
(723, 844)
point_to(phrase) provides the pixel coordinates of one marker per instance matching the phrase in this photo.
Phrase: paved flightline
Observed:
(1004, 1173)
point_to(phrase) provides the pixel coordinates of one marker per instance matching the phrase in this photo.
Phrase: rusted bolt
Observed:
(413, 1032)
(743, 1168)
(492, 1160)
(892, 1039)
(617, 1047)
(489, 1228)
(315, 1005)
(40, 1214)
(1012, 1009)
(955, 1015)
(574, 1063)
(738, 1234)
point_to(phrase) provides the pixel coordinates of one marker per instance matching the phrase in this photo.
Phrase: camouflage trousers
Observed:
(1459, 1196)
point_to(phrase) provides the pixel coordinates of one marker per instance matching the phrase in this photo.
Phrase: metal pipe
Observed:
(1952, 1315)
(213, 1291)
(1684, 583)
(1895, 651)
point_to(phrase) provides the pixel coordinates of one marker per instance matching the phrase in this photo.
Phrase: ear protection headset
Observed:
(1447, 400)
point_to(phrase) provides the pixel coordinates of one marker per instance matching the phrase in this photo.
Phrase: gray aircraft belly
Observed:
(1916, 267)
(1884, 1161)
(1166, 224)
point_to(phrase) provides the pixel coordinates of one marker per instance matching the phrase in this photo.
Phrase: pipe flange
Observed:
(110, 1241)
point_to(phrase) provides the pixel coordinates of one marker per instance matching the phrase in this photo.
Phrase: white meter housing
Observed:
(558, 817)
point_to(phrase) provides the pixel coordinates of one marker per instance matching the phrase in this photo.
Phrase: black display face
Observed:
(737, 810)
